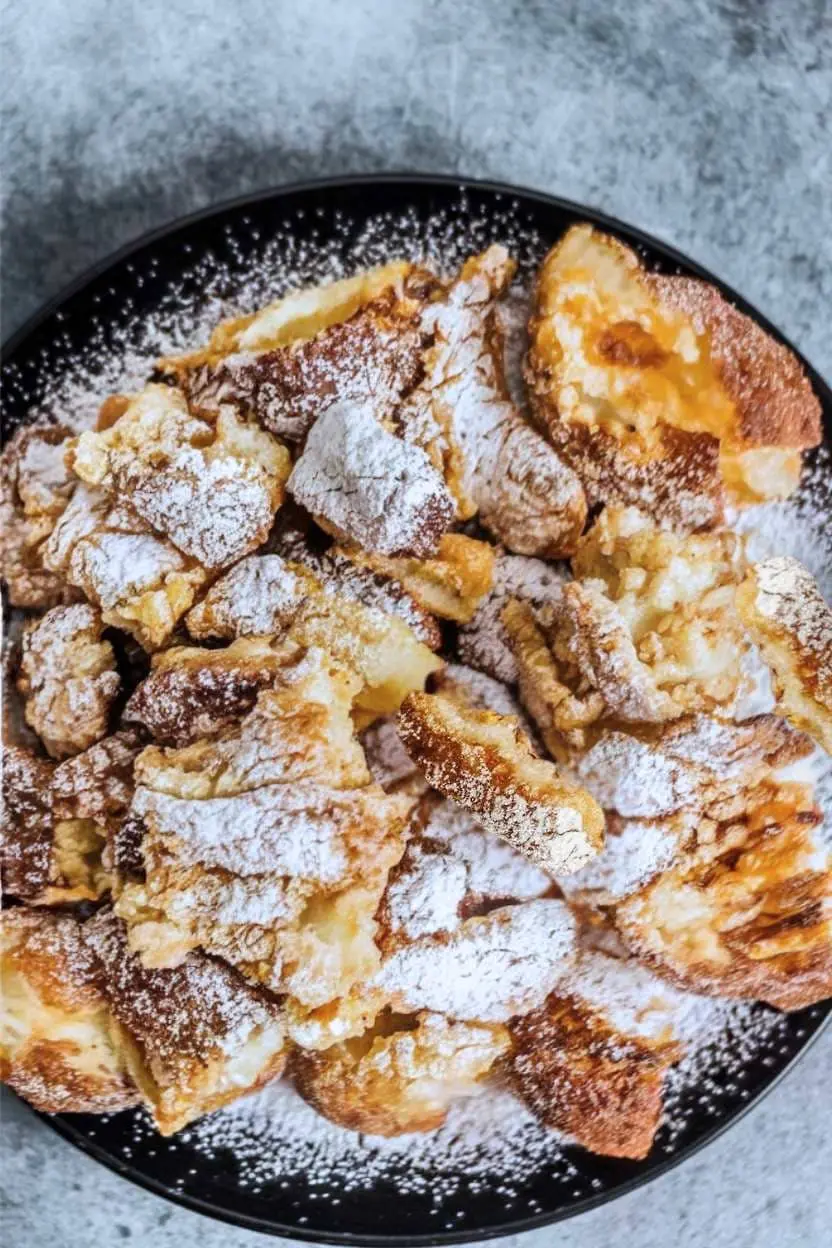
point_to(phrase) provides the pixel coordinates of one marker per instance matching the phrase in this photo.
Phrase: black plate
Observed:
(173, 264)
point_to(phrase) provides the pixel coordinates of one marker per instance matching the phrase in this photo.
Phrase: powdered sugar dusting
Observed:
(631, 998)
(486, 1142)
(799, 526)
(489, 969)
(427, 895)
(242, 276)
(295, 830)
(787, 595)
(340, 575)
(490, 1142)
(260, 594)
(634, 852)
(452, 868)
(374, 488)
(494, 869)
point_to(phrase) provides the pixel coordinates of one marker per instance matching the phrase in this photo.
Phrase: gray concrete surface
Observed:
(705, 123)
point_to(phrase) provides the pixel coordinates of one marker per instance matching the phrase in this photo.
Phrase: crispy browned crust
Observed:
(484, 762)
(400, 1077)
(649, 772)
(581, 1077)
(495, 462)
(775, 403)
(785, 613)
(98, 784)
(263, 593)
(373, 356)
(183, 1026)
(451, 584)
(51, 980)
(27, 822)
(326, 1081)
(677, 481)
(87, 547)
(48, 1077)
(211, 488)
(193, 692)
(646, 633)
(613, 404)
(47, 946)
(57, 817)
(165, 1007)
(747, 912)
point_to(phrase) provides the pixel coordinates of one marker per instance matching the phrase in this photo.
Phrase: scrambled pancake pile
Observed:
(375, 725)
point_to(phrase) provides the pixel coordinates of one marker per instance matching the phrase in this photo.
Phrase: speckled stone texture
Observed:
(705, 123)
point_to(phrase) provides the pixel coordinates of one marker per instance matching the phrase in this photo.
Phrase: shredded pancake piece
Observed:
(491, 968)
(746, 911)
(657, 391)
(269, 845)
(35, 486)
(388, 761)
(651, 772)
(591, 1061)
(139, 582)
(784, 610)
(482, 761)
(365, 485)
(27, 822)
(636, 852)
(452, 868)
(451, 584)
(212, 490)
(262, 594)
(56, 1046)
(196, 1036)
(192, 692)
(97, 784)
(400, 1076)
(68, 679)
(482, 642)
(474, 689)
(495, 462)
(357, 341)
(58, 820)
(649, 632)
(298, 727)
(382, 649)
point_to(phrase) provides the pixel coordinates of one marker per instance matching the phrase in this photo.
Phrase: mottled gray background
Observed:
(705, 123)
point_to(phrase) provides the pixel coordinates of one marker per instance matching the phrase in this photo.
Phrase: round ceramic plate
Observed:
(100, 335)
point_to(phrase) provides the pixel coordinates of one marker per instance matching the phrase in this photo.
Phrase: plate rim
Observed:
(535, 1222)
(235, 203)
(62, 1125)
